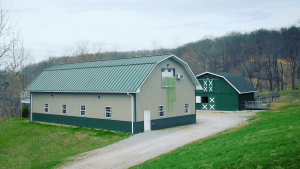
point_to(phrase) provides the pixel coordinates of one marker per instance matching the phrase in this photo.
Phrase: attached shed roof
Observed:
(239, 83)
(109, 76)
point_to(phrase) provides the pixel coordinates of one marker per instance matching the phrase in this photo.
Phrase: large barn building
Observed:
(127, 95)
(223, 91)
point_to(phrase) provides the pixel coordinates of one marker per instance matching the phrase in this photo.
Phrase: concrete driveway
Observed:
(144, 146)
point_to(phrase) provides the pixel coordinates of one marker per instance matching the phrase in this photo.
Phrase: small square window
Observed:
(169, 70)
(46, 107)
(107, 111)
(204, 99)
(82, 110)
(161, 110)
(64, 108)
(187, 108)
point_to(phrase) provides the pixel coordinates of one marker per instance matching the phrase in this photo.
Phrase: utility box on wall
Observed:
(223, 91)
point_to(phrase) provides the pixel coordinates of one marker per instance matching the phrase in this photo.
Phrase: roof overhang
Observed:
(226, 81)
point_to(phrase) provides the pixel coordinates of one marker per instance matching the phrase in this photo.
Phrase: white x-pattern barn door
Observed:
(208, 85)
(212, 104)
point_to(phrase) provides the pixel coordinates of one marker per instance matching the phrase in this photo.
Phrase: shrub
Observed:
(25, 111)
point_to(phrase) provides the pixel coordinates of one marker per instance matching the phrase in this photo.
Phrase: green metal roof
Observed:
(239, 83)
(123, 75)
(111, 76)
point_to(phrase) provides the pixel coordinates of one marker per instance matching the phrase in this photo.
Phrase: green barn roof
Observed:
(111, 76)
(239, 83)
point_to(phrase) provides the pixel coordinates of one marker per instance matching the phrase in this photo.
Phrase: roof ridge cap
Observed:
(100, 66)
(170, 54)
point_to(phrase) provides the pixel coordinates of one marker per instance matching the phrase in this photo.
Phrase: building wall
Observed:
(95, 108)
(152, 95)
(225, 96)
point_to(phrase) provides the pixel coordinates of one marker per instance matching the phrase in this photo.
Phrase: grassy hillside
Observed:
(24, 144)
(272, 140)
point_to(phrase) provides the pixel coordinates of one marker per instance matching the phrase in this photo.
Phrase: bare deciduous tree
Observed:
(13, 59)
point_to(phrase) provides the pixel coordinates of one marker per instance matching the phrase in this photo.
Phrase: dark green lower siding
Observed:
(173, 121)
(114, 125)
(138, 127)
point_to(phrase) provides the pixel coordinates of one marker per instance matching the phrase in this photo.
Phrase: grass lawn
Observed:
(24, 144)
(271, 140)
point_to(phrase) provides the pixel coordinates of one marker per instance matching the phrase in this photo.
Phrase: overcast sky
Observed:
(52, 25)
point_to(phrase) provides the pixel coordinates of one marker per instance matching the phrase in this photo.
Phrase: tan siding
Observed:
(152, 94)
(95, 108)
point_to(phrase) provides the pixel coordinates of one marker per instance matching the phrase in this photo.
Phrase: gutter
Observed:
(131, 112)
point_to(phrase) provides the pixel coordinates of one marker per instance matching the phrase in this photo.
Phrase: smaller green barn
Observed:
(223, 91)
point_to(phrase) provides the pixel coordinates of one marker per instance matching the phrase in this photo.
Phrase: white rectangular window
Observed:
(198, 99)
(107, 111)
(187, 108)
(64, 108)
(46, 107)
(161, 110)
(82, 110)
(167, 72)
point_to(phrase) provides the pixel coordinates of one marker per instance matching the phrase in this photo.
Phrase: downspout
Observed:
(31, 106)
(131, 111)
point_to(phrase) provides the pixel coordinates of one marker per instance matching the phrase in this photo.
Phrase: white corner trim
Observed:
(138, 90)
(199, 87)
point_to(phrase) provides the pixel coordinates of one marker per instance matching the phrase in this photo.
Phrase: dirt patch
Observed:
(2, 151)
(81, 136)
(275, 111)
(276, 105)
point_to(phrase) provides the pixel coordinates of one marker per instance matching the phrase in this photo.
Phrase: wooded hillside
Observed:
(269, 59)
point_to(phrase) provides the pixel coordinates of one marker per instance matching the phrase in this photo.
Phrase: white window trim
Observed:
(45, 107)
(82, 110)
(186, 108)
(159, 110)
(62, 110)
(105, 111)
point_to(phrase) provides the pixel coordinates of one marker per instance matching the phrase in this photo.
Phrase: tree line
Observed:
(269, 59)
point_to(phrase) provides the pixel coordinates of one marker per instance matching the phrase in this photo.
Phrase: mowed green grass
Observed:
(24, 144)
(271, 140)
